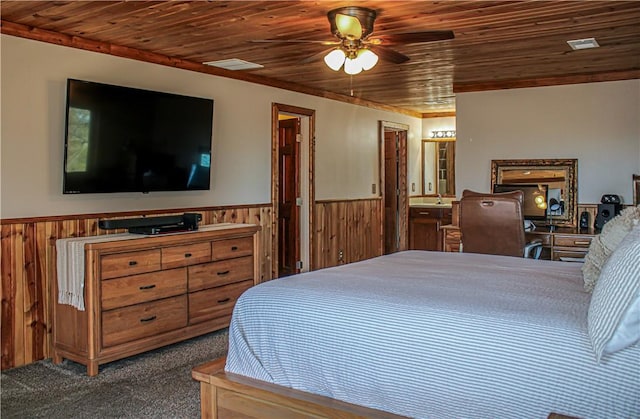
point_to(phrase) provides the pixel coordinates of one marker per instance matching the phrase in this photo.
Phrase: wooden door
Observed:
(289, 191)
(391, 210)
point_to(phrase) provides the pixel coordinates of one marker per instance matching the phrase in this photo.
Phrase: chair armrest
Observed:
(534, 246)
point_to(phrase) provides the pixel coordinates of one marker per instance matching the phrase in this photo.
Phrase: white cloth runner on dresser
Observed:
(70, 261)
(70, 266)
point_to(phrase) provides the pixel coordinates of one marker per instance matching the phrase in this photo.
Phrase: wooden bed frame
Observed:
(227, 395)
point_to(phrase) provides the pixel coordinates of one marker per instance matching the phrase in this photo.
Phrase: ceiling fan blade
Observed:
(349, 26)
(316, 56)
(293, 41)
(389, 54)
(416, 37)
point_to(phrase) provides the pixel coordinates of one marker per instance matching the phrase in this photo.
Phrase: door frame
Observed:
(276, 109)
(403, 199)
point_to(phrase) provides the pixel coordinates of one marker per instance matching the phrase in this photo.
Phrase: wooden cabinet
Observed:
(425, 227)
(143, 292)
(571, 247)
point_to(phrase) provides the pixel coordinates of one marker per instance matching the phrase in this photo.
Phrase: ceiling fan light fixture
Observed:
(352, 66)
(352, 22)
(348, 26)
(367, 58)
(335, 59)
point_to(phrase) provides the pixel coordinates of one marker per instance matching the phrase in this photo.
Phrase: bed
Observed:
(420, 334)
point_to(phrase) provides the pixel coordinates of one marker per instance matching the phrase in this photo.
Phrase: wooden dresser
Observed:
(144, 292)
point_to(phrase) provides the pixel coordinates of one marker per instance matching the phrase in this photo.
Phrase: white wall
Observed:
(597, 123)
(32, 135)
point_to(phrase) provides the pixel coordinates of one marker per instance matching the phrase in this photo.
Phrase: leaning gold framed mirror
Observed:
(559, 177)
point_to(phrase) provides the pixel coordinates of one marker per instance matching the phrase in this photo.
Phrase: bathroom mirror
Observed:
(438, 167)
(561, 176)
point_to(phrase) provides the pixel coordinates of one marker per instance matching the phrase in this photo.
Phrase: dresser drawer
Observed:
(215, 302)
(129, 290)
(190, 254)
(430, 212)
(219, 273)
(569, 255)
(142, 320)
(572, 241)
(232, 248)
(129, 263)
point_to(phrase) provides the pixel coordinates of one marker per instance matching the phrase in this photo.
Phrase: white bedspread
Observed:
(438, 335)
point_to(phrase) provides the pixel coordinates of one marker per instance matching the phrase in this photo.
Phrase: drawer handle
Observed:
(581, 242)
(226, 300)
(187, 255)
(148, 319)
(132, 263)
(424, 213)
(234, 248)
(223, 273)
(148, 287)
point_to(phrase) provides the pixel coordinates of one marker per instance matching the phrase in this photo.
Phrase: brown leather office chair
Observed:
(493, 224)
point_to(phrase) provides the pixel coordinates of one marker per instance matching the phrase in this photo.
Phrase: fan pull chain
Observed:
(351, 84)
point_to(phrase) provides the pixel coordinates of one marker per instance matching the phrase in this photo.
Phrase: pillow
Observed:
(605, 243)
(614, 312)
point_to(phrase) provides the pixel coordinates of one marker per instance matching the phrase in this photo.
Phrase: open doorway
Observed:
(393, 174)
(292, 189)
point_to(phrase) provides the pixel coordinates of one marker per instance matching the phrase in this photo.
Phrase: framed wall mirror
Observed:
(557, 177)
(438, 167)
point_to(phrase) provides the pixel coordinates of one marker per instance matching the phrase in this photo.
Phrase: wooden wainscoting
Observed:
(28, 266)
(347, 231)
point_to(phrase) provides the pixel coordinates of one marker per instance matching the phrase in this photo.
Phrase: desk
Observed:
(565, 243)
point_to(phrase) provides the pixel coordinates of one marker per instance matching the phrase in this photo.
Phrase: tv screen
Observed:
(534, 205)
(120, 139)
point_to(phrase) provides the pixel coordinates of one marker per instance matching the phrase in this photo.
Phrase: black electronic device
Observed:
(191, 220)
(152, 230)
(606, 212)
(610, 199)
(584, 220)
(534, 205)
(155, 225)
(121, 139)
(140, 222)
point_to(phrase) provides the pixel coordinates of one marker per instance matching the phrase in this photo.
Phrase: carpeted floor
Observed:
(155, 384)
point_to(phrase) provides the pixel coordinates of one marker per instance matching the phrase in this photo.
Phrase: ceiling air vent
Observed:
(234, 64)
(586, 43)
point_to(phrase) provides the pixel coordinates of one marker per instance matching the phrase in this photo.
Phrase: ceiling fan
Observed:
(355, 48)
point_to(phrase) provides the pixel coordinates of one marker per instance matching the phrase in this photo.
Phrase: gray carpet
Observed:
(155, 384)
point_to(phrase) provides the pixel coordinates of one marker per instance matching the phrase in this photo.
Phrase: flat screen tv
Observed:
(534, 205)
(121, 139)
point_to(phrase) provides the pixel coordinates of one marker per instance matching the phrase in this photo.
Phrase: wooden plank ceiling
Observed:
(498, 44)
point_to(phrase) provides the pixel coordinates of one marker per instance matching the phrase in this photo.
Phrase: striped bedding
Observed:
(436, 335)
